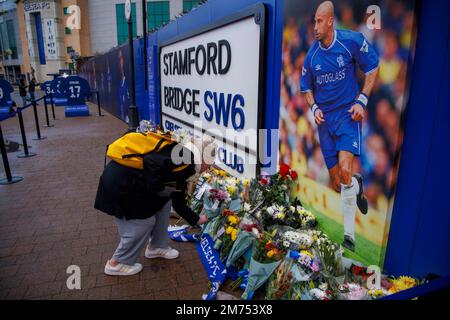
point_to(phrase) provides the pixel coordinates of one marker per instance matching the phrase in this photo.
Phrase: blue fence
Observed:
(419, 237)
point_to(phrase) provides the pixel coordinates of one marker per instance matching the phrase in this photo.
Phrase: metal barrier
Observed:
(26, 153)
(46, 113)
(36, 119)
(53, 106)
(10, 179)
(97, 94)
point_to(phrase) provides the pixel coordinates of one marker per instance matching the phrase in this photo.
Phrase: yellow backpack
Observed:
(130, 149)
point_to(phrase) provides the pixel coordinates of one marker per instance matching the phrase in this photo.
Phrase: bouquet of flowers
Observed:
(374, 294)
(300, 218)
(402, 283)
(214, 200)
(248, 231)
(307, 265)
(329, 253)
(310, 290)
(266, 257)
(280, 282)
(358, 274)
(275, 189)
(231, 231)
(318, 294)
(294, 216)
(274, 214)
(352, 291)
(294, 240)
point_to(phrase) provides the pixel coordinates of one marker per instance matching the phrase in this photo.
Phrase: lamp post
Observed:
(144, 36)
(132, 110)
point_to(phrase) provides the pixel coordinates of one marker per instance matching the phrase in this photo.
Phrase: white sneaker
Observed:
(122, 269)
(168, 253)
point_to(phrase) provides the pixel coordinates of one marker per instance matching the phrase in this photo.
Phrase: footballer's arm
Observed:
(357, 110)
(317, 113)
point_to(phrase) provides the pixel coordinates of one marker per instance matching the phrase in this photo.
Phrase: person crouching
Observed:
(141, 202)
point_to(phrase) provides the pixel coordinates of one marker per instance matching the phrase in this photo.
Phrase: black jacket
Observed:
(32, 86)
(132, 194)
(22, 88)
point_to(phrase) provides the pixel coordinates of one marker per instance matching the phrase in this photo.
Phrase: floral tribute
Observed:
(273, 246)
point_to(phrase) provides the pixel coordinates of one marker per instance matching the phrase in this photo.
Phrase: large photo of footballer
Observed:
(343, 92)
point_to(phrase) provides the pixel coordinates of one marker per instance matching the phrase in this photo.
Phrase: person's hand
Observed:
(318, 117)
(202, 220)
(357, 111)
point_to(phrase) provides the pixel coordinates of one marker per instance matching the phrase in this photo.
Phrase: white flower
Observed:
(317, 293)
(284, 187)
(323, 286)
(255, 232)
(247, 207)
(292, 208)
(270, 211)
(287, 244)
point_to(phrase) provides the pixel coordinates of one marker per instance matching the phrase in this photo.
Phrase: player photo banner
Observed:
(344, 86)
(109, 74)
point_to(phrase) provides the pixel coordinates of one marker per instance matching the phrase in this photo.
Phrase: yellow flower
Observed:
(402, 283)
(234, 234)
(222, 173)
(246, 182)
(270, 254)
(306, 252)
(233, 220)
(376, 293)
(231, 189)
(229, 230)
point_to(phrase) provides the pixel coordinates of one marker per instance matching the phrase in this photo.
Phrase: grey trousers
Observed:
(134, 234)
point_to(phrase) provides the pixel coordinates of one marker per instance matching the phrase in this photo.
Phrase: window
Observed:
(12, 38)
(68, 30)
(65, 10)
(189, 4)
(69, 49)
(4, 40)
(122, 24)
(158, 12)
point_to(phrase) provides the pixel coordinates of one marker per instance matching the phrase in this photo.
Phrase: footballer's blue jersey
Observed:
(124, 96)
(330, 73)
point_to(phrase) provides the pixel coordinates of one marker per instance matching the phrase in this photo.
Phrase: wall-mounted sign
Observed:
(51, 48)
(211, 82)
(36, 5)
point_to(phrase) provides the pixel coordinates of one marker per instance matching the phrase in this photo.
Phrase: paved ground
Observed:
(47, 221)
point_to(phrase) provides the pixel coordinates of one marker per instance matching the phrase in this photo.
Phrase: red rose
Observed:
(294, 175)
(263, 181)
(269, 246)
(284, 170)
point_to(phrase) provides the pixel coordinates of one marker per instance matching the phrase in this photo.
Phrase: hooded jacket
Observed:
(130, 193)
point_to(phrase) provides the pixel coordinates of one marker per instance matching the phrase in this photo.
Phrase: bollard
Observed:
(53, 106)
(26, 154)
(98, 104)
(9, 178)
(36, 121)
(46, 114)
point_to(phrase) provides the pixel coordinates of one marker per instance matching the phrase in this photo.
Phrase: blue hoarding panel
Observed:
(417, 242)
